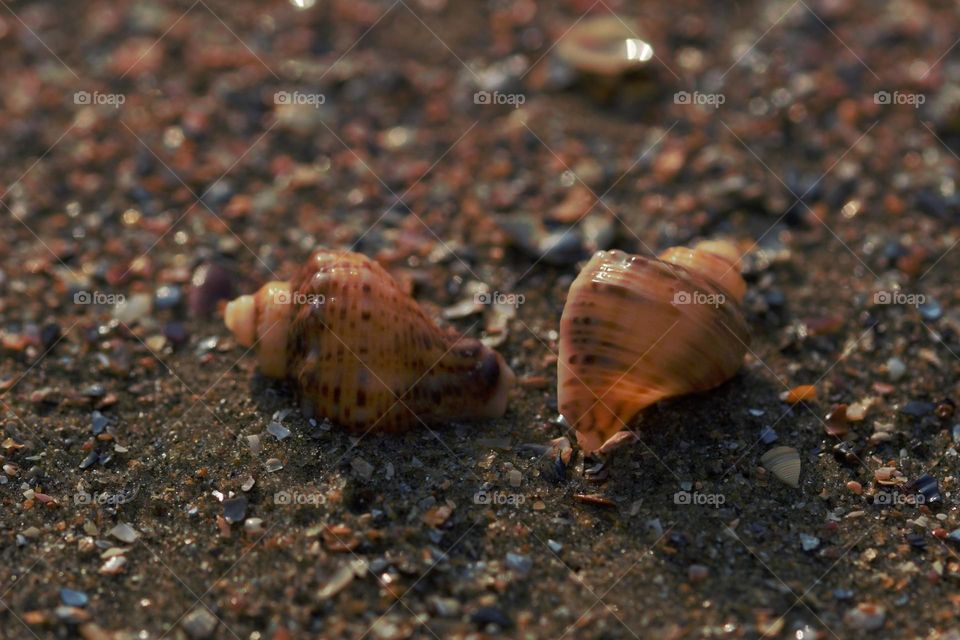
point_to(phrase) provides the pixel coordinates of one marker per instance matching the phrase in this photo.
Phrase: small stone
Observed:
(802, 393)
(124, 533)
(866, 616)
(445, 607)
(113, 566)
(98, 423)
(515, 477)
(132, 309)
(554, 546)
(278, 431)
(273, 464)
(337, 583)
(896, 368)
(167, 297)
(210, 283)
(521, 564)
(235, 509)
(697, 573)
(930, 309)
(362, 468)
(253, 526)
(73, 598)
(199, 623)
(809, 542)
(855, 487)
(491, 615)
(248, 484)
(857, 411)
(768, 435)
(918, 408)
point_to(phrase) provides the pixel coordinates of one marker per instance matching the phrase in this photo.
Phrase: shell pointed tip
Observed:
(239, 317)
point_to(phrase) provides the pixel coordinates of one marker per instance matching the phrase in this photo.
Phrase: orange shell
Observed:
(363, 353)
(637, 330)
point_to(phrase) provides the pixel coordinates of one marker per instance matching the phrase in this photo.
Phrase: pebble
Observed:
(133, 308)
(113, 566)
(697, 573)
(809, 542)
(124, 533)
(209, 284)
(802, 393)
(278, 431)
(273, 464)
(930, 310)
(515, 478)
(866, 616)
(521, 564)
(768, 435)
(918, 408)
(896, 369)
(167, 297)
(199, 623)
(253, 526)
(491, 615)
(235, 509)
(73, 598)
(555, 546)
(362, 468)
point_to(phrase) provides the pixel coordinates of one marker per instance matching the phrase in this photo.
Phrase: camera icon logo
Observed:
(282, 297)
(82, 97)
(882, 97)
(282, 497)
(682, 97)
(282, 97)
(82, 297)
(482, 97)
(682, 297)
(481, 497)
(882, 297)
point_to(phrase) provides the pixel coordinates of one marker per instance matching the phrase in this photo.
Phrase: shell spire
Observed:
(363, 353)
(636, 330)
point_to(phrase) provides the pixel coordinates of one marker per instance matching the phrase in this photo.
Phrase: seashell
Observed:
(784, 464)
(362, 352)
(637, 330)
(605, 46)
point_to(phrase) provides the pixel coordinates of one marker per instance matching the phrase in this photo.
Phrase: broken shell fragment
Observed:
(362, 352)
(636, 330)
(784, 464)
(605, 46)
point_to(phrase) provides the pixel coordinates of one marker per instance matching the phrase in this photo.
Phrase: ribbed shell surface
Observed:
(635, 330)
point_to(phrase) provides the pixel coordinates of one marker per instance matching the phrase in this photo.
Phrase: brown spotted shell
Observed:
(363, 353)
(636, 330)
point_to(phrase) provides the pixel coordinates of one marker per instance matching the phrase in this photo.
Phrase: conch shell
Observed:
(636, 330)
(363, 353)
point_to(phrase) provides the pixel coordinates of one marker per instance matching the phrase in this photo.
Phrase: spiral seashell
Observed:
(636, 330)
(363, 353)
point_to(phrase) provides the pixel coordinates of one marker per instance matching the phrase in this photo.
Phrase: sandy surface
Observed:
(127, 433)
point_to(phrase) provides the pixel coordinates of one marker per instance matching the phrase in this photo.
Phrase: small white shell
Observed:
(784, 464)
